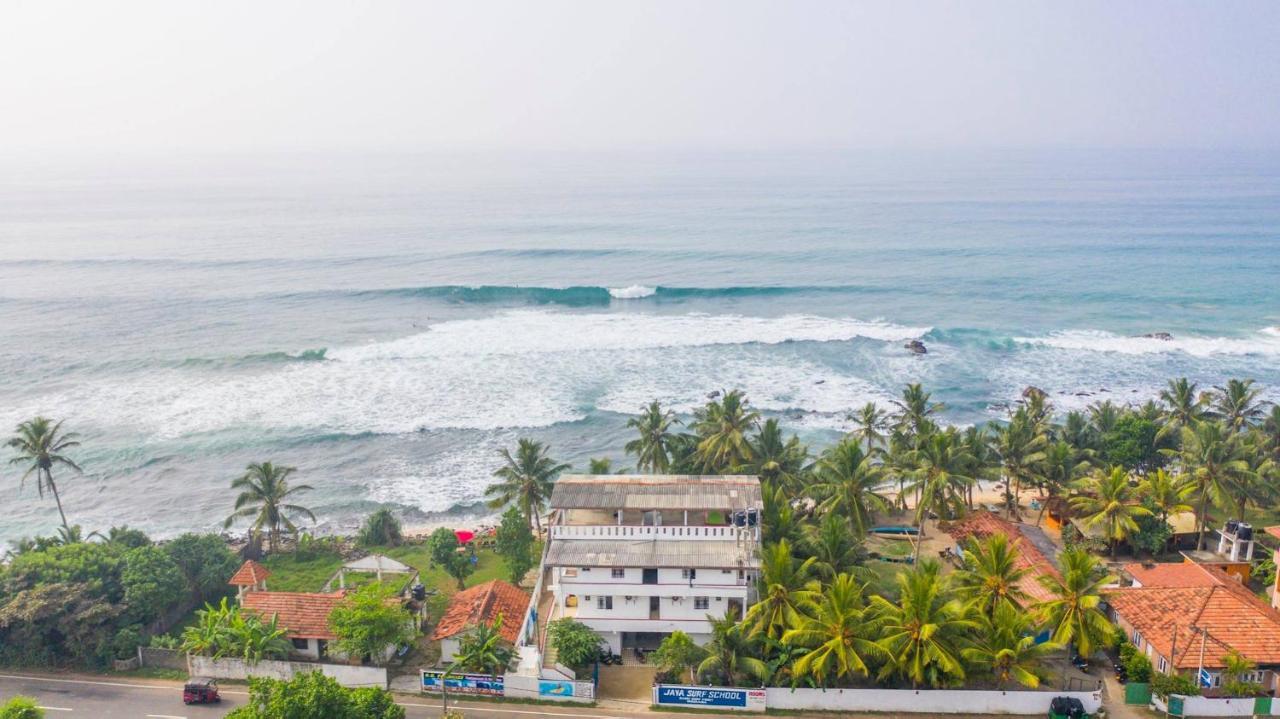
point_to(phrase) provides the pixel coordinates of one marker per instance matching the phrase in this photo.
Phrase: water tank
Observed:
(1232, 525)
(1244, 532)
(419, 592)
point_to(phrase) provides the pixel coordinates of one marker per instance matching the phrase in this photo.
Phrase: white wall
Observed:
(925, 701)
(515, 685)
(448, 648)
(230, 668)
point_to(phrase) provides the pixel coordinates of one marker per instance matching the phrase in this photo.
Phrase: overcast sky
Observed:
(168, 75)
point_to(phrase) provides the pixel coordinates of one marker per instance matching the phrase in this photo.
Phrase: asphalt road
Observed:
(108, 698)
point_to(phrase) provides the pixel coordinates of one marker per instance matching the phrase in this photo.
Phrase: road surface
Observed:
(109, 698)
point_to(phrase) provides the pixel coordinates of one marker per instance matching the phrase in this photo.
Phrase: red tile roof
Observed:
(1172, 574)
(984, 524)
(249, 574)
(1273, 531)
(1230, 616)
(480, 605)
(304, 616)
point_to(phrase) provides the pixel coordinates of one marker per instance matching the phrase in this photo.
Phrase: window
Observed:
(586, 569)
(688, 574)
(299, 643)
(1137, 639)
(619, 573)
(726, 571)
(1162, 666)
(700, 603)
(604, 602)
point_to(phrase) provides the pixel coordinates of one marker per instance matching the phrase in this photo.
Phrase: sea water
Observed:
(387, 323)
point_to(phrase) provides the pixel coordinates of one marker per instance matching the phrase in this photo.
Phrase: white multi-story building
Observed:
(636, 557)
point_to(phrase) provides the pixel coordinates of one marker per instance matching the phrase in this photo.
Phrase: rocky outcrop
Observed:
(1165, 336)
(916, 347)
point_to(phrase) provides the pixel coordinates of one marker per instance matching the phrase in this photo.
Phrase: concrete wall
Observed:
(162, 658)
(925, 701)
(229, 668)
(1206, 707)
(516, 685)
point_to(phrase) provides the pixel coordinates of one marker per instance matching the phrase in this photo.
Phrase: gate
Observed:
(1137, 693)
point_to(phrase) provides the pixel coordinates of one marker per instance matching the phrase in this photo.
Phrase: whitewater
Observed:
(388, 326)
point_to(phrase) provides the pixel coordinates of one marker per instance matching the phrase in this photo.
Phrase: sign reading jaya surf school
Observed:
(752, 700)
(463, 683)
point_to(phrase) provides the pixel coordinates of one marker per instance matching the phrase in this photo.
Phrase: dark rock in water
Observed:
(821, 381)
(1159, 336)
(916, 347)
(1032, 391)
(1084, 394)
(713, 395)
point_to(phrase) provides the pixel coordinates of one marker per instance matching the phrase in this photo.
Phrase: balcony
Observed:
(627, 531)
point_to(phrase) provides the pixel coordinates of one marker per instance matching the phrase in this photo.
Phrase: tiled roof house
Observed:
(1028, 539)
(481, 604)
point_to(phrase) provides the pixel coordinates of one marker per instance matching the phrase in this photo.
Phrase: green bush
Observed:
(1137, 666)
(21, 707)
(576, 644)
(125, 645)
(381, 529)
(165, 641)
(315, 696)
(1162, 685)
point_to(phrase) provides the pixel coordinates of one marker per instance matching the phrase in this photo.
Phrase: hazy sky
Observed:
(170, 75)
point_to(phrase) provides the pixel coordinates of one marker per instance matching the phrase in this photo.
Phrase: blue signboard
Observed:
(463, 683)
(724, 698)
(555, 688)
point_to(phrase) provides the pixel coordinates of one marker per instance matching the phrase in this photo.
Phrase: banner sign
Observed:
(752, 700)
(463, 683)
(553, 688)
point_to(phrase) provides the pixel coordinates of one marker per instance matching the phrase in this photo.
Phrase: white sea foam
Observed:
(631, 292)
(1264, 342)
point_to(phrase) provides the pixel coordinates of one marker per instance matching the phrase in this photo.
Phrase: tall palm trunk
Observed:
(48, 479)
(1200, 516)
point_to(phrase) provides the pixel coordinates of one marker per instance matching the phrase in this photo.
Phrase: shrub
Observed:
(370, 620)
(153, 583)
(381, 529)
(315, 695)
(21, 707)
(1162, 685)
(443, 546)
(205, 563)
(575, 643)
(164, 641)
(125, 645)
(1137, 666)
(514, 542)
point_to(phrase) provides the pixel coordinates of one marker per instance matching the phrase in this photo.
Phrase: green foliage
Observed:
(152, 581)
(381, 529)
(1153, 533)
(266, 497)
(226, 630)
(20, 707)
(482, 649)
(126, 642)
(678, 655)
(1136, 664)
(205, 562)
(444, 549)
(1131, 443)
(514, 542)
(127, 537)
(525, 479)
(1264, 572)
(92, 564)
(1162, 685)
(1235, 667)
(576, 644)
(164, 641)
(370, 620)
(315, 696)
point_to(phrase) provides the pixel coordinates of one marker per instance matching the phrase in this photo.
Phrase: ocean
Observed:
(387, 323)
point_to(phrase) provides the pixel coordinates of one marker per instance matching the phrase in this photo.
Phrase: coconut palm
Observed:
(925, 630)
(1020, 445)
(1110, 503)
(1167, 493)
(787, 590)
(41, 444)
(840, 635)
(1103, 416)
(525, 480)
(775, 458)
(722, 433)
(732, 656)
(992, 574)
(1184, 406)
(264, 495)
(1236, 404)
(1073, 613)
(870, 424)
(1210, 455)
(982, 462)
(940, 481)
(482, 649)
(1061, 467)
(849, 485)
(915, 411)
(653, 447)
(1270, 431)
(778, 519)
(1006, 648)
(1076, 431)
(601, 465)
(835, 549)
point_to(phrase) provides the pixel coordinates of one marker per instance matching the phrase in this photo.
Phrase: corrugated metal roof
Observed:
(656, 491)
(649, 553)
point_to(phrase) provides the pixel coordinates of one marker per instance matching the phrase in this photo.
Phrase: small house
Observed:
(480, 604)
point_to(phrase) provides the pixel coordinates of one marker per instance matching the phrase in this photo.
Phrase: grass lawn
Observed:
(291, 574)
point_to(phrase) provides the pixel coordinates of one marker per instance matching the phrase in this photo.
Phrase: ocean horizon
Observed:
(387, 323)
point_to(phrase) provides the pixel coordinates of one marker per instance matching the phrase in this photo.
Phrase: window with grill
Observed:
(701, 603)
(604, 602)
(619, 573)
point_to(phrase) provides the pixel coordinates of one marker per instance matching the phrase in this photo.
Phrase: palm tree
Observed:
(482, 649)
(1021, 446)
(40, 443)
(1184, 406)
(1110, 503)
(264, 494)
(1074, 613)
(731, 656)
(915, 411)
(653, 447)
(835, 548)
(776, 459)
(600, 465)
(787, 590)
(722, 433)
(1006, 647)
(1061, 467)
(870, 424)
(1210, 455)
(940, 479)
(982, 460)
(991, 575)
(1167, 493)
(525, 480)
(925, 630)
(1237, 404)
(848, 484)
(1271, 432)
(1103, 416)
(840, 632)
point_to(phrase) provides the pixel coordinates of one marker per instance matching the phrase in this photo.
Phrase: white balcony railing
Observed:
(624, 531)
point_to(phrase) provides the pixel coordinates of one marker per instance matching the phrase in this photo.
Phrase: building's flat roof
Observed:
(656, 491)
(664, 552)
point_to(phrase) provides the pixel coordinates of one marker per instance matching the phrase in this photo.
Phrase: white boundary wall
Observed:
(231, 668)
(1206, 707)
(925, 701)
(517, 685)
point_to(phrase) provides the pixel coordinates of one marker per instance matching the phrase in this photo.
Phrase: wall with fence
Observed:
(1217, 707)
(162, 658)
(230, 668)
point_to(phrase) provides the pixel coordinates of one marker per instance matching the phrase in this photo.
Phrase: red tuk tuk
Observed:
(199, 690)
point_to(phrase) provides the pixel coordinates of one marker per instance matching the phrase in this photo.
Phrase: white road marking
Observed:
(164, 716)
(57, 709)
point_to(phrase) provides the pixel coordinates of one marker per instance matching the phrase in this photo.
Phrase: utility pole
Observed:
(1204, 635)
